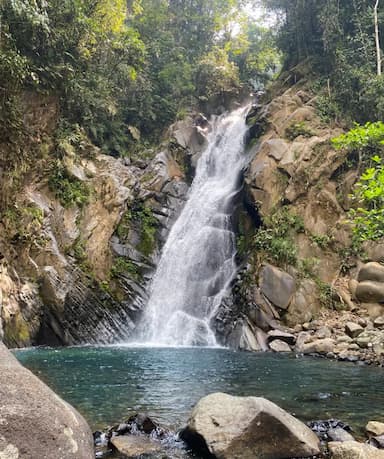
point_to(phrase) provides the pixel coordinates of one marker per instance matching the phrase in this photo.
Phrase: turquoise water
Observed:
(106, 384)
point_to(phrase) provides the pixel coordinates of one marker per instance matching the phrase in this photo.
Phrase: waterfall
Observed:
(198, 259)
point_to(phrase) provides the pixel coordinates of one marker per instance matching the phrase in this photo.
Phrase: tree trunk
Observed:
(377, 39)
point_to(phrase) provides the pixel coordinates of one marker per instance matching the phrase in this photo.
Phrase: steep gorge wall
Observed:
(298, 269)
(76, 260)
(80, 272)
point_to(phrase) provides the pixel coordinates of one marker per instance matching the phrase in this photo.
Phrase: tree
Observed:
(377, 38)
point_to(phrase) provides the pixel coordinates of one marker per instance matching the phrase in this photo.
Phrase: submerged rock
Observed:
(34, 421)
(227, 427)
(135, 446)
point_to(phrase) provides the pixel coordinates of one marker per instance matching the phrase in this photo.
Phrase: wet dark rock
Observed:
(377, 442)
(137, 423)
(339, 434)
(135, 447)
(323, 427)
(289, 338)
(201, 121)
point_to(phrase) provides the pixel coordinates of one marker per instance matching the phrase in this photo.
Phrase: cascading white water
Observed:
(198, 259)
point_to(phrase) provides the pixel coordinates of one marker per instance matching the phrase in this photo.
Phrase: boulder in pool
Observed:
(354, 450)
(227, 427)
(135, 446)
(35, 422)
(375, 428)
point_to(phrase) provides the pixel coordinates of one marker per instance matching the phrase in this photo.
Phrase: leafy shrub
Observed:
(124, 266)
(23, 223)
(142, 217)
(276, 237)
(367, 216)
(322, 240)
(361, 137)
(327, 108)
(68, 189)
(298, 129)
(328, 296)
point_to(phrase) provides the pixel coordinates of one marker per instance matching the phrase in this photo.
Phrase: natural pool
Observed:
(107, 383)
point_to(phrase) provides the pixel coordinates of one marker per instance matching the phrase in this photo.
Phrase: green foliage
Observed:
(241, 245)
(78, 250)
(361, 137)
(276, 238)
(142, 218)
(327, 108)
(69, 190)
(322, 240)
(298, 129)
(254, 51)
(336, 37)
(23, 224)
(125, 67)
(123, 266)
(124, 226)
(328, 297)
(306, 267)
(148, 224)
(216, 74)
(367, 216)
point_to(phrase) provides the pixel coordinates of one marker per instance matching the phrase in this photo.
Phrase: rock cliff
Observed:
(298, 269)
(80, 236)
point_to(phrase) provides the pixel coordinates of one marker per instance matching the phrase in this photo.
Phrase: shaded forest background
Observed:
(122, 71)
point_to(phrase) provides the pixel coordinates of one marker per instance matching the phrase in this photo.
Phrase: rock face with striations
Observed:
(34, 421)
(227, 427)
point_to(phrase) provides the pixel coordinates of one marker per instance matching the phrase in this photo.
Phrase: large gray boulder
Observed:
(34, 421)
(227, 427)
(370, 292)
(371, 272)
(277, 285)
(320, 346)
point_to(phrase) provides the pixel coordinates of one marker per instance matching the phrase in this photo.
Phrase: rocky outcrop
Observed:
(227, 427)
(369, 287)
(77, 271)
(35, 422)
(354, 450)
(277, 285)
(375, 428)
